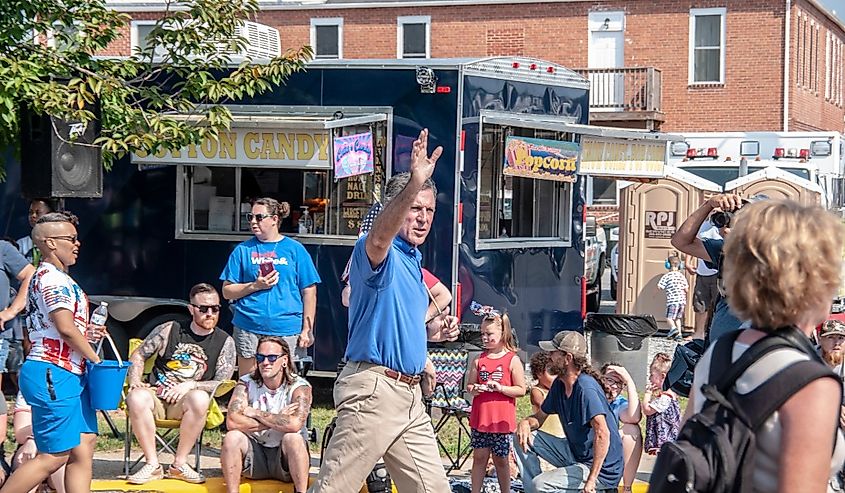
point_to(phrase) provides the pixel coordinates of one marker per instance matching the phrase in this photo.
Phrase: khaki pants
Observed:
(380, 417)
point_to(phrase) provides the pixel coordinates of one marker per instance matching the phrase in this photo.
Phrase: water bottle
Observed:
(101, 313)
(305, 222)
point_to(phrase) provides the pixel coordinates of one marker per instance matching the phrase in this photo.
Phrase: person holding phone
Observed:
(272, 283)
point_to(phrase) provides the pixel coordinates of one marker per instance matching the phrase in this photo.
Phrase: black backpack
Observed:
(714, 452)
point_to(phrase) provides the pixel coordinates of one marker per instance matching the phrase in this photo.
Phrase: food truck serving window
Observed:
(515, 208)
(218, 180)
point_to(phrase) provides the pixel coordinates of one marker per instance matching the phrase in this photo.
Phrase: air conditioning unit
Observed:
(262, 41)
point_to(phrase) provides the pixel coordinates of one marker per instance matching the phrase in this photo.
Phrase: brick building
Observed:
(676, 66)
(705, 65)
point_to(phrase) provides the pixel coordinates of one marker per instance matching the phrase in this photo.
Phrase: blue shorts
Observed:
(61, 409)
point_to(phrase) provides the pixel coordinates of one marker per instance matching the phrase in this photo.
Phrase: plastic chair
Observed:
(168, 438)
(448, 397)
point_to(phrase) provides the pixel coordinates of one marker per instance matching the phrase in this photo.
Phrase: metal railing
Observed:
(624, 89)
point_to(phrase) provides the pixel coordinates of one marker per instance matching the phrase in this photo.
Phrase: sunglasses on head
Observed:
(259, 358)
(206, 308)
(258, 217)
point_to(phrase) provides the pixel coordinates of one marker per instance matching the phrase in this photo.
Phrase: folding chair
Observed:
(169, 437)
(448, 397)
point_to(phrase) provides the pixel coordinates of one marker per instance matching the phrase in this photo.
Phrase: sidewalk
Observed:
(109, 466)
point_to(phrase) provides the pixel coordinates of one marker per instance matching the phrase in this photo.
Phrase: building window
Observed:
(327, 38)
(533, 211)
(62, 37)
(707, 46)
(601, 191)
(807, 48)
(139, 36)
(833, 69)
(414, 37)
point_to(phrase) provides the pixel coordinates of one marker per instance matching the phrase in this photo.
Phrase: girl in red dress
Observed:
(496, 379)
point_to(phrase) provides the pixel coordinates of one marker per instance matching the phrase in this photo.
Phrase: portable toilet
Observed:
(776, 183)
(650, 214)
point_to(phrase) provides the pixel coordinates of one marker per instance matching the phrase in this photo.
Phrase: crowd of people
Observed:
(583, 433)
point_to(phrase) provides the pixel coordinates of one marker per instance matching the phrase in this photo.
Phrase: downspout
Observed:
(786, 38)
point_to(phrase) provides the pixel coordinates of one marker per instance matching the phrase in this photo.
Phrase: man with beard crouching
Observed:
(589, 459)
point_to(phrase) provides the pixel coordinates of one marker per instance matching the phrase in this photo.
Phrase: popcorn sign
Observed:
(541, 158)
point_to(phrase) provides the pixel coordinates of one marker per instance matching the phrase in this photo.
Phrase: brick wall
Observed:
(656, 34)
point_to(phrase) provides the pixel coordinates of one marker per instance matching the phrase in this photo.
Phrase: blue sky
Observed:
(837, 5)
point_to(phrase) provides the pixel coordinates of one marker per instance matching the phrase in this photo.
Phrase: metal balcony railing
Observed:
(624, 89)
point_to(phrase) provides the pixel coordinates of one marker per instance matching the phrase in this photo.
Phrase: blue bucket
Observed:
(105, 381)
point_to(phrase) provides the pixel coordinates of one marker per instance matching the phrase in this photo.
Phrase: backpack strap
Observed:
(729, 371)
(721, 358)
(763, 401)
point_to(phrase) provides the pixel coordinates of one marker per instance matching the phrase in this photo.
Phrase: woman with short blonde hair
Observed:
(782, 269)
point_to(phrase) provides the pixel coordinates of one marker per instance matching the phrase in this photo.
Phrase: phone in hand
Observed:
(265, 268)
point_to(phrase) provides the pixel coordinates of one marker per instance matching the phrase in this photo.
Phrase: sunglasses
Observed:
(72, 239)
(259, 358)
(258, 217)
(207, 308)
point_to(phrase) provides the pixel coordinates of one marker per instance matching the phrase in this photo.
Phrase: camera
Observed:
(721, 219)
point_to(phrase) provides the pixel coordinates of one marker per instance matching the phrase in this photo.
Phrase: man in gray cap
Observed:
(589, 459)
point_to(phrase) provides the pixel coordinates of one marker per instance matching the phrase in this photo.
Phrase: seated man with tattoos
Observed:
(192, 359)
(266, 421)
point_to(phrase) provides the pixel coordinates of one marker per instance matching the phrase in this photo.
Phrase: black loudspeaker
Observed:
(58, 158)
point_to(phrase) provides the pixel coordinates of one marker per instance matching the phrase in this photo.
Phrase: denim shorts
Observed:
(246, 343)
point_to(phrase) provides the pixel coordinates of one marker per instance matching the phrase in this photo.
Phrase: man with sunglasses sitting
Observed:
(191, 361)
(266, 421)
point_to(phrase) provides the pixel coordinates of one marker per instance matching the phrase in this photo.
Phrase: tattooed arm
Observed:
(291, 418)
(153, 344)
(225, 367)
(235, 418)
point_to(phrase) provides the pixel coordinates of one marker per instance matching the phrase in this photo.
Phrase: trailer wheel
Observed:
(118, 333)
(183, 318)
(594, 299)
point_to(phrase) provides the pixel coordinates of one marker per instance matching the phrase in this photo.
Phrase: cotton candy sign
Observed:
(353, 155)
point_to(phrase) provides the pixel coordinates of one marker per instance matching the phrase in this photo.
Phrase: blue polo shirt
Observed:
(387, 307)
(575, 412)
(278, 310)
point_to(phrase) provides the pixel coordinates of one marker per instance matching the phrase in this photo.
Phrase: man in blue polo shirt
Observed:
(589, 459)
(377, 395)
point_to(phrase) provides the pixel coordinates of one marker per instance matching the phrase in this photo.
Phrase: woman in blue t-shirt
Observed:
(271, 281)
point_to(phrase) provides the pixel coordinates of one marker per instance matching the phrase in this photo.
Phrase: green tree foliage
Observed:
(170, 93)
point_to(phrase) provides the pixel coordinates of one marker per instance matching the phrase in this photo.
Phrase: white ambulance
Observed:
(719, 157)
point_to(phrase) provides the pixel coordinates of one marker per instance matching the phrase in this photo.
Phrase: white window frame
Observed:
(51, 38)
(134, 42)
(693, 13)
(400, 33)
(327, 21)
